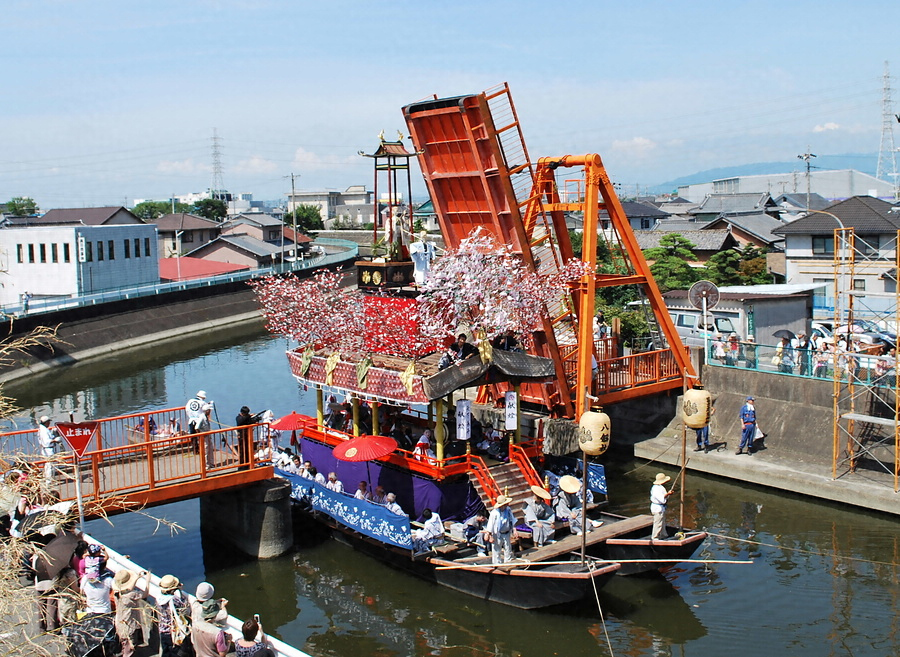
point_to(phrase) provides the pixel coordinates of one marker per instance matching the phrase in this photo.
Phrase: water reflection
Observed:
(802, 596)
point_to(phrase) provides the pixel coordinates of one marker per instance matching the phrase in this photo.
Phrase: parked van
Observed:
(689, 324)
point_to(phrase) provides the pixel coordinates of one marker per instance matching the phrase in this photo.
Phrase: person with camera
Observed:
(253, 642)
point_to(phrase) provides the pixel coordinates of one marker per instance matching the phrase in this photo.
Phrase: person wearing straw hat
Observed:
(659, 496)
(172, 608)
(540, 517)
(129, 603)
(568, 503)
(499, 529)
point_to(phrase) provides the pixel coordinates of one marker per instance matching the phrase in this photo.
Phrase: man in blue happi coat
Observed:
(748, 418)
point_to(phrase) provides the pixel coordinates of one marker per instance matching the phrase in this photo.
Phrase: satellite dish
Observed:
(703, 290)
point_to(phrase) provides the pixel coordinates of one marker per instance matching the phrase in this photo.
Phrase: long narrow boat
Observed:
(529, 582)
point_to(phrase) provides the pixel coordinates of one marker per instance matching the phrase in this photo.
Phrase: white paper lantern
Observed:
(696, 405)
(595, 432)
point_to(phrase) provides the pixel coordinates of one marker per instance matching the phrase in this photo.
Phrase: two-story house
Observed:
(809, 249)
(182, 232)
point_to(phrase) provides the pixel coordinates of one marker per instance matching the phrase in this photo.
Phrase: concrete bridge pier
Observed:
(255, 519)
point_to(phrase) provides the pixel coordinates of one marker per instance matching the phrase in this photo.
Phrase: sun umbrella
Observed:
(55, 556)
(784, 333)
(853, 328)
(365, 448)
(292, 422)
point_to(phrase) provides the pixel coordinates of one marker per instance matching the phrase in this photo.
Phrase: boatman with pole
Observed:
(659, 496)
(499, 528)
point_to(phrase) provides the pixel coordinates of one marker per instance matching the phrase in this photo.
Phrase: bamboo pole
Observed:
(528, 564)
(320, 409)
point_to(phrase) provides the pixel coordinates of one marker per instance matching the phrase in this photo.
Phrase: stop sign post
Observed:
(78, 435)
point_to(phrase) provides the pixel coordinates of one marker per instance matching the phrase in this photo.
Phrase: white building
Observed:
(832, 185)
(75, 260)
(354, 206)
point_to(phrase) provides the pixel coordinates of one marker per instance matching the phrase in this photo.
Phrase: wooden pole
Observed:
(375, 427)
(583, 506)
(320, 409)
(527, 564)
(355, 405)
(518, 390)
(439, 428)
(683, 454)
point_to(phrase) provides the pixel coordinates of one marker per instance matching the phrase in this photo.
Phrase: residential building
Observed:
(253, 240)
(106, 216)
(716, 205)
(262, 227)
(355, 205)
(72, 260)
(754, 228)
(706, 242)
(810, 250)
(182, 232)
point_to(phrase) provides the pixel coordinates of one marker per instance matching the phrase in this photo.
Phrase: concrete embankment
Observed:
(797, 453)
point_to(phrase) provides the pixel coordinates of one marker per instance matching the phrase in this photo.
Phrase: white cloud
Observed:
(635, 147)
(184, 167)
(306, 161)
(826, 127)
(254, 164)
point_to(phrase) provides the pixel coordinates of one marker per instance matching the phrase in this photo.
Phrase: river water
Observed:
(824, 578)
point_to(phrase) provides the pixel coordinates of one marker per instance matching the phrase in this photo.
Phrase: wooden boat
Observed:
(535, 580)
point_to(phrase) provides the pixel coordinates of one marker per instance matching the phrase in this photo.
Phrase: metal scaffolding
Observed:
(866, 408)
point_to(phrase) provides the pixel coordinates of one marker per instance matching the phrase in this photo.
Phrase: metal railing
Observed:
(38, 306)
(860, 367)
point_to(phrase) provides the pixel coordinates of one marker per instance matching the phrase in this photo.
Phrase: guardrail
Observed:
(349, 253)
(859, 367)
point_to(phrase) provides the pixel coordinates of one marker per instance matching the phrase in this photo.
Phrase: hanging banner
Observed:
(463, 419)
(78, 434)
(512, 418)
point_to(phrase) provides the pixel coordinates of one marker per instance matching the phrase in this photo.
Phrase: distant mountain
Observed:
(866, 163)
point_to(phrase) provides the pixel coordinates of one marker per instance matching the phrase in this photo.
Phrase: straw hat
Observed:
(540, 492)
(169, 583)
(569, 484)
(124, 580)
(503, 500)
(661, 479)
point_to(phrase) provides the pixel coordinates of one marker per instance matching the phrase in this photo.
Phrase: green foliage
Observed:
(152, 210)
(22, 206)
(369, 225)
(418, 226)
(670, 265)
(632, 323)
(308, 219)
(733, 267)
(212, 208)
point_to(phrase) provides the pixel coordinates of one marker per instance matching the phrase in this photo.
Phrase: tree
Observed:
(734, 267)
(308, 218)
(150, 210)
(211, 208)
(671, 259)
(22, 206)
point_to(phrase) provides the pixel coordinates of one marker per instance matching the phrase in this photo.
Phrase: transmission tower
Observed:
(887, 162)
(218, 183)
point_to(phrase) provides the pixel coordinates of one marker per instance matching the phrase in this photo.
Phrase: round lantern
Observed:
(696, 405)
(594, 435)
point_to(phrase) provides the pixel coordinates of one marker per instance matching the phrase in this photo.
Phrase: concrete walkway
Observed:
(868, 489)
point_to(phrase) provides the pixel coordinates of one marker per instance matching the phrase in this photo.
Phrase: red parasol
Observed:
(365, 448)
(292, 422)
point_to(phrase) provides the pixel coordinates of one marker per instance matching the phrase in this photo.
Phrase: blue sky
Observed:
(110, 101)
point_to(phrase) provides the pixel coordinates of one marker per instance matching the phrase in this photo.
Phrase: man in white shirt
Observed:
(334, 484)
(392, 506)
(659, 496)
(49, 439)
(431, 532)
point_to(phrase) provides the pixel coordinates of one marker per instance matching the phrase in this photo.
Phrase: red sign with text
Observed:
(78, 434)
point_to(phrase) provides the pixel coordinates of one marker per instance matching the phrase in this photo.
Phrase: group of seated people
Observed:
(294, 464)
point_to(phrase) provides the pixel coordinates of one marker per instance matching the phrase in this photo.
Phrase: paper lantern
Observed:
(594, 435)
(696, 406)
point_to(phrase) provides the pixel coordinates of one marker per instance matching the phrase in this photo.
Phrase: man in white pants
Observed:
(49, 439)
(659, 496)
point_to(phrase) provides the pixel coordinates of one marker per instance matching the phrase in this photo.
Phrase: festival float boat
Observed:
(511, 280)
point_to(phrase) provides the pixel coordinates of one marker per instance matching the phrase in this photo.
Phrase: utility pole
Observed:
(294, 215)
(807, 157)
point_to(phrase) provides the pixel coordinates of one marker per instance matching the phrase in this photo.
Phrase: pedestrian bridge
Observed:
(133, 461)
